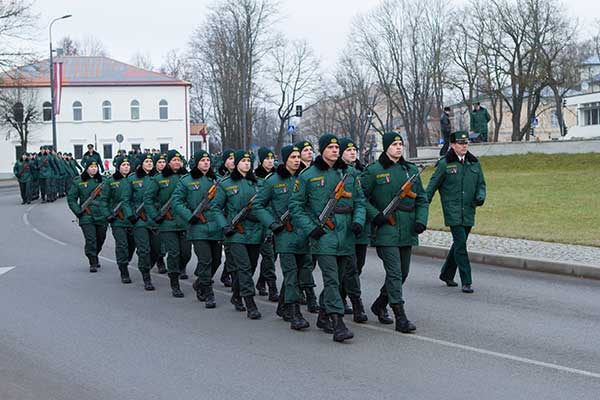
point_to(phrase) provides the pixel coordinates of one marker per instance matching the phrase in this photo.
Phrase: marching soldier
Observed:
(23, 171)
(225, 169)
(160, 162)
(332, 240)
(459, 178)
(267, 274)
(35, 184)
(121, 228)
(45, 173)
(396, 233)
(146, 240)
(245, 235)
(87, 188)
(203, 232)
(291, 243)
(306, 154)
(172, 228)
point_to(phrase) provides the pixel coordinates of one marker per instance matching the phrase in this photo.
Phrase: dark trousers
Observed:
(396, 262)
(94, 236)
(43, 187)
(147, 244)
(305, 272)
(124, 244)
(25, 188)
(267, 262)
(291, 264)
(458, 257)
(336, 269)
(179, 250)
(244, 258)
(208, 253)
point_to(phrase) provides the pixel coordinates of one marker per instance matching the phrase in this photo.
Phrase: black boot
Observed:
(311, 301)
(340, 331)
(261, 287)
(160, 264)
(298, 322)
(147, 281)
(124, 274)
(358, 310)
(347, 309)
(253, 312)
(200, 292)
(175, 289)
(402, 323)
(323, 322)
(210, 297)
(226, 279)
(282, 308)
(273, 294)
(302, 298)
(379, 308)
(93, 268)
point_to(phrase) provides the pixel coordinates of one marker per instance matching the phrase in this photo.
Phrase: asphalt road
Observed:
(68, 334)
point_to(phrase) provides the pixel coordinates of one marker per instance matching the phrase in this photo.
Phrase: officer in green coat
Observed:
(203, 231)
(234, 194)
(395, 234)
(291, 243)
(92, 154)
(224, 170)
(480, 117)
(172, 228)
(459, 178)
(147, 241)
(92, 219)
(121, 227)
(23, 171)
(333, 245)
(267, 276)
(160, 162)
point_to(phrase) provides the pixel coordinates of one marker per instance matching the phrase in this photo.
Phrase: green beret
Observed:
(389, 138)
(88, 161)
(171, 154)
(302, 144)
(227, 154)
(326, 140)
(263, 153)
(346, 143)
(159, 156)
(239, 155)
(200, 155)
(286, 151)
(120, 160)
(459, 137)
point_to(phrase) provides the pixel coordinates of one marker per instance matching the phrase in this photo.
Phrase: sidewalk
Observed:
(564, 259)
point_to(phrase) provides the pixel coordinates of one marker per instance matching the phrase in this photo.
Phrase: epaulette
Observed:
(304, 170)
(268, 176)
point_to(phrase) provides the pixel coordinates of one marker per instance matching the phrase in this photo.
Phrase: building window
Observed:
(196, 146)
(47, 111)
(106, 110)
(77, 111)
(78, 151)
(135, 109)
(164, 148)
(136, 147)
(591, 114)
(163, 109)
(108, 151)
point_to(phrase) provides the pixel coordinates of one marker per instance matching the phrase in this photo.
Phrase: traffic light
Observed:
(298, 111)
(564, 103)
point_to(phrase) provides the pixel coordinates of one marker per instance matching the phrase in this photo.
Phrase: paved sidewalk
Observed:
(526, 249)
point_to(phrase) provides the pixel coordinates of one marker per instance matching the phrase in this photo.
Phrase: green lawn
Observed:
(549, 197)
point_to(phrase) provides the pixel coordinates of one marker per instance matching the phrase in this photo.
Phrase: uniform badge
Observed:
(387, 179)
(296, 185)
(322, 182)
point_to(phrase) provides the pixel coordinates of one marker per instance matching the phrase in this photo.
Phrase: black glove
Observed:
(228, 231)
(379, 220)
(317, 233)
(111, 219)
(276, 227)
(419, 228)
(478, 202)
(80, 214)
(133, 219)
(356, 228)
(158, 219)
(194, 220)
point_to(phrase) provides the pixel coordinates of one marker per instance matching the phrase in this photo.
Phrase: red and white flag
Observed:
(58, 75)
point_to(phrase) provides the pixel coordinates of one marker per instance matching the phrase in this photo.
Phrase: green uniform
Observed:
(335, 249)
(381, 182)
(23, 171)
(479, 122)
(44, 166)
(94, 156)
(267, 252)
(93, 220)
(461, 186)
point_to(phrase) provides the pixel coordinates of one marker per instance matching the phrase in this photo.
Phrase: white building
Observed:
(102, 98)
(588, 116)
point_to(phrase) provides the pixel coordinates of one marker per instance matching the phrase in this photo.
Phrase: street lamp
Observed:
(52, 82)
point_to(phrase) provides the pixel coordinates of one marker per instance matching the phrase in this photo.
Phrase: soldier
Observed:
(121, 227)
(172, 227)
(332, 243)
(234, 194)
(61, 181)
(23, 171)
(394, 235)
(480, 117)
(91, 218)
(203, 231)
(54, 175)
(91, 153)
(459, 178)
(35, 172)
(267, 276)
(45, 172)
(146, 240)
(291, 243)
(306, 153)
(160, 162)
(227, 166)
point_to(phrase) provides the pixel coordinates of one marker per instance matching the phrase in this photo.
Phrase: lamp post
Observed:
(52, 82)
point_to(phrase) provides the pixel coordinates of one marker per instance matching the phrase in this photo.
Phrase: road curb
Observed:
(514, 262)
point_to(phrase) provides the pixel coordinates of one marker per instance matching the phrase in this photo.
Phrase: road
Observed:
(68, 334)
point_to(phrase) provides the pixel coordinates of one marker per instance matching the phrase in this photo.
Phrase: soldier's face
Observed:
(230, 163)
(92, 170)
(204, 164)
(293, 161)
(307, 154)
(268, 163)
(395, 150)
(349, 155)
(147, 165)
(175, 163)
(125, 168)
(331, 152)
(244, 165)
(160, 165)
(460, 148)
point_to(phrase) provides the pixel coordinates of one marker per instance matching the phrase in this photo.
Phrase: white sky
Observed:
(154, 27)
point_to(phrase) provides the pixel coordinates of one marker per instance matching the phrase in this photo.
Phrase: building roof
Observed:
(87, 71)
(593, 60)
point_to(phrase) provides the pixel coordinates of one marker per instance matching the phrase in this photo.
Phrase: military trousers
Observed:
(267, 262)
(208, 253)
(361, 257)
(351, 275)
(94, 235)
(396, 262)
(43, 183)
(291, 264)
(25, 188)
(335, 269)
(227, 268)
(458, 257)
(305, 273)
(178, 248)
(244, 259)
(124, 244)
(147, 244)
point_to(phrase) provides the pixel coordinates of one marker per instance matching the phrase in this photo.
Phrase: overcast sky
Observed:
(154, 27)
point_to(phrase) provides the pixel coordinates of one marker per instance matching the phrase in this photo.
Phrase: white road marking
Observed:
(4, 270)
(26, 218)
(42, 234)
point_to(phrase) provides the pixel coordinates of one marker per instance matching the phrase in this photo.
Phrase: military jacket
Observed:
(23, 171)
(80, 191)
(132, 195)
(159, 191)
(45, 165)
(112, 196)
(96, 157)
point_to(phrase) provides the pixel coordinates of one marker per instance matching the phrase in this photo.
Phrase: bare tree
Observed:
(89, 46)
(69, 46)
(142, 60)
(17, 24)
(19, 111)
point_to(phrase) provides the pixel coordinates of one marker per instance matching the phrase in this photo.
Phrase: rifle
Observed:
(405, 191)
(117, 211)
(139, 211)
(334, 197)
(236, 222)
(165, 210)
(203, 206)
(85, 205)
(285, 220)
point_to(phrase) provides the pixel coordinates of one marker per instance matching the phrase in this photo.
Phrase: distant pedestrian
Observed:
(446, 130)
(480, 117)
